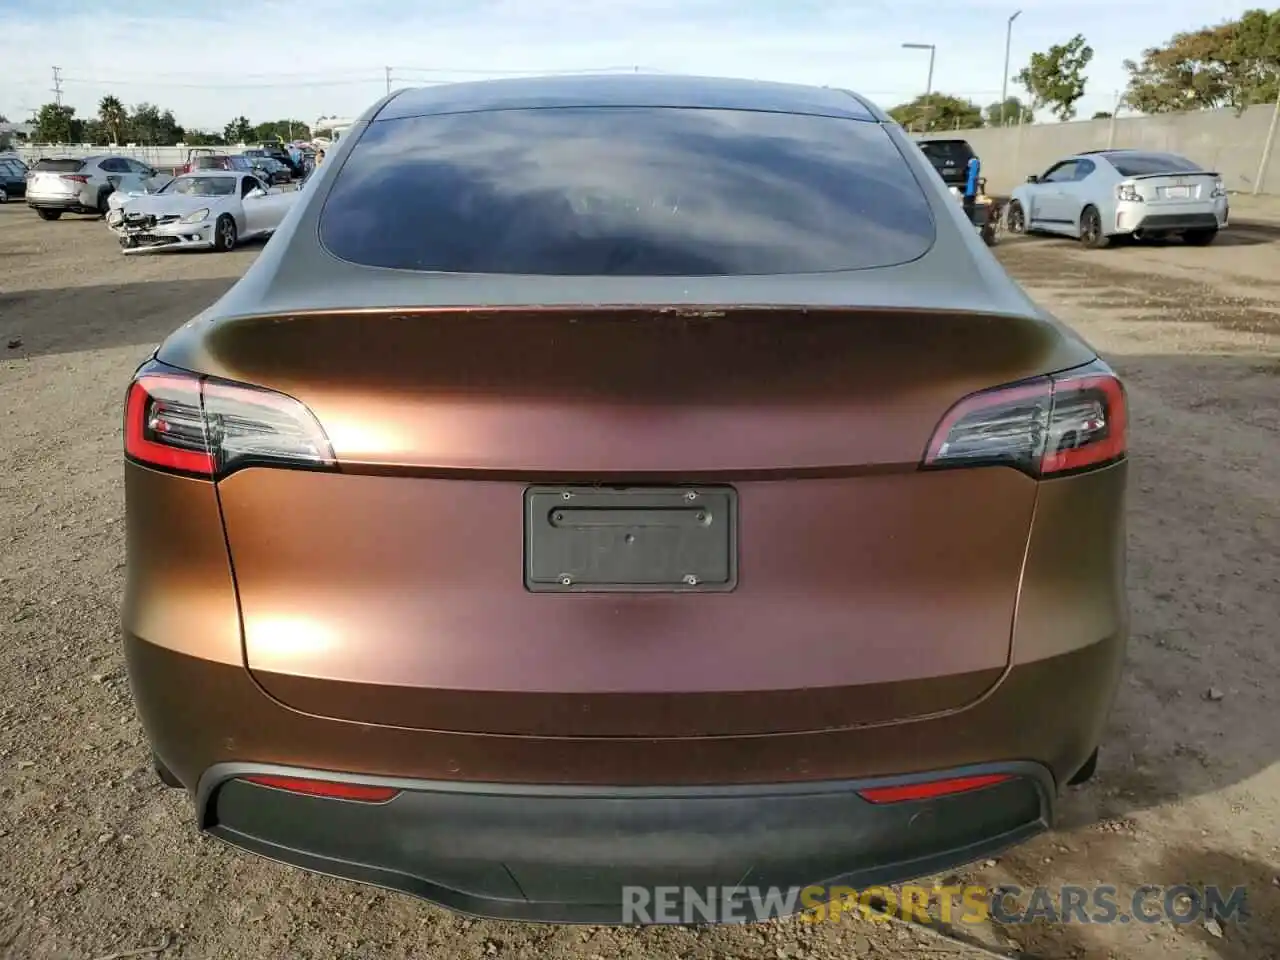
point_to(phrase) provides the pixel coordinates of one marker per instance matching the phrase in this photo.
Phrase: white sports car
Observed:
(211, 209)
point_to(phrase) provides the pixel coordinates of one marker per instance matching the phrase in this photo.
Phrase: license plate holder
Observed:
(630, 539)
(1177, 193)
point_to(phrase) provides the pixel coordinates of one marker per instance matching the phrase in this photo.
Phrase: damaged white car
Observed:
(211, 209)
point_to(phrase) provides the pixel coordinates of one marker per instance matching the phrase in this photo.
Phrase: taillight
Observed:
(1045, 427)
(181, 422)
(1127, 191)
(75, 177)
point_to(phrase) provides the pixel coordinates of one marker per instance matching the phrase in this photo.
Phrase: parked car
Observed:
(128, 188)
(1103, 194)
(678, 494)
(278, 152)
(194, 154)
(59, 185)
(950, 157)
(272, 170)
(209, 210)
(208, 161)
(13, 178)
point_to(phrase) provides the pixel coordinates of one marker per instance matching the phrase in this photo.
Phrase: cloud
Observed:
(283, 58)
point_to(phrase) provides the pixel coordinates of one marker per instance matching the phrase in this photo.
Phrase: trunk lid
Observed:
(1180, 188)
(392, 591)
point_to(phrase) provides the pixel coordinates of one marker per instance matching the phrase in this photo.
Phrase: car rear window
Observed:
(946, 149)
(1141, 164)
(623, 191)
(59, 166)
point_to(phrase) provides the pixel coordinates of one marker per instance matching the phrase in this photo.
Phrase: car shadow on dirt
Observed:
(74, 319)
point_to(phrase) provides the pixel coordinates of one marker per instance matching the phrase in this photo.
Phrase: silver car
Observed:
(1102, 194)
(61, 185)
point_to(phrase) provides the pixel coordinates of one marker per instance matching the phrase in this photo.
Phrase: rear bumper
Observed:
(73, 204)
(1138, 217)
(604, 855)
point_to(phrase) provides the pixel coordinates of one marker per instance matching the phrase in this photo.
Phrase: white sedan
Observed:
(211, 209)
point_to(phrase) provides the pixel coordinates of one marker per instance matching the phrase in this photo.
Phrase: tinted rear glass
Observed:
(946, 149)
(621, 191)
(1140, 164)
(59, 166)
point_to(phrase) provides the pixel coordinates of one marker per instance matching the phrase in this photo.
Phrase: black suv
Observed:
(950, 158)
(276, 151)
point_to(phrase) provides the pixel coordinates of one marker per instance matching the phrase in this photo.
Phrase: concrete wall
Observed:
(1217, 139)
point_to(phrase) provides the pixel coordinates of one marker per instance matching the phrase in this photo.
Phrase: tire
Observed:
(1200, 238)
(1091, 234)
(44, 214)
(224, 233)
(1015, 218)
(4, 195)
(103, 208)
(1086, 772)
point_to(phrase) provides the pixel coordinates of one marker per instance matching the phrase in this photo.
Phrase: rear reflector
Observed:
(1048, 426)
(932, 788)
(75, 177)
(334, 789)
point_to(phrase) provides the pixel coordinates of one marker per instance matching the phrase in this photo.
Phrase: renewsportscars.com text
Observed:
(971, 904)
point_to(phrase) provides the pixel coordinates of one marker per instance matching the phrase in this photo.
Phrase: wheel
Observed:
(103, 207)
(48, 214)
(1200, 238)
(1087, 771)
(224, 233)
(1015, 218)
(164, 773)
(1091, 234)
(4, 195)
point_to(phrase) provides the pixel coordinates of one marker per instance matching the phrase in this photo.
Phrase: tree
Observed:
(937, 111)
(57, 123)
(283, 130)
(154, 126)
(1013, 110)
(238, 130)
(1055, 78)
(113, 116)
(1234, 64)
(203, 138)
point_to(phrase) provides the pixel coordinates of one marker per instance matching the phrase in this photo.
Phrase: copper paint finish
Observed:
(198, 713)
(887, 620)
(416, 585)
(607, 392)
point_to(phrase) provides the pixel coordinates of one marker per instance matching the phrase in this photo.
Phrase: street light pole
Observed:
(928, 84)
(1004, 86)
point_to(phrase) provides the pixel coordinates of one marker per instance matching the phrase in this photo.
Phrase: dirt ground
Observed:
(99, 861)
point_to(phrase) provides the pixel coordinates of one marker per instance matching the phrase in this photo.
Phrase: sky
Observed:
(309, 58)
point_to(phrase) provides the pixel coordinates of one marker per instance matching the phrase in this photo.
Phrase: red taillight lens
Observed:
(181, 422)
(334, 789)
(931, 788)
(1045, 427)
(75, 177)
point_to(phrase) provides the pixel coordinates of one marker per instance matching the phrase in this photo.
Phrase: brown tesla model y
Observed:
(617, 482)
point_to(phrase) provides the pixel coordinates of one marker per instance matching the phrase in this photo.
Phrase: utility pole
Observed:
(1266, 149)
(928, 84)
(57, 85)
(1004, 86)
(388, 70)
(1111, 126)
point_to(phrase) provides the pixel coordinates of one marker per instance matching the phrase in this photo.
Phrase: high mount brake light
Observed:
(1045, 427)
(183, 423)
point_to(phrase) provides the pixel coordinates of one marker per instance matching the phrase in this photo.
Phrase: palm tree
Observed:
(113, 116)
